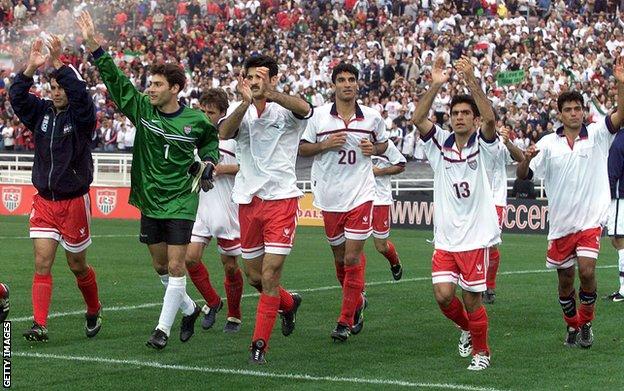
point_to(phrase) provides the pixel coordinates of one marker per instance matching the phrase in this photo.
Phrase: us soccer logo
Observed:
(11, 197)
(188, 129)
(472, 164)
(106, 199)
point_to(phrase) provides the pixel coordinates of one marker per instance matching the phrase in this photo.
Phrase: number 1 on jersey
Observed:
(462, 189)
(166, 151)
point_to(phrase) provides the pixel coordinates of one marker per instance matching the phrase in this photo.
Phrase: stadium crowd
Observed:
(560, 45)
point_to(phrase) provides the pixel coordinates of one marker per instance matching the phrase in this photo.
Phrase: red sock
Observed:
(340, 272)
(88, 287)
(572, 321)
(585, 313)
(234, 291)
(363, 263)
(2, 290)
(200, 277)
(492, 268)
(351, 293)
(286, 301)
(456, 312)
(41, 297)
(265, 317)
(478, 326)
(391, 255)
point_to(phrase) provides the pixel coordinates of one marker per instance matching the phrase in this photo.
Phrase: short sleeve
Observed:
(603, 132)
(538, 163)
(380, 134)
(309, 134)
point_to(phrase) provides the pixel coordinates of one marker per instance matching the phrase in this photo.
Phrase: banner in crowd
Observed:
(106, 202)
(509, 77)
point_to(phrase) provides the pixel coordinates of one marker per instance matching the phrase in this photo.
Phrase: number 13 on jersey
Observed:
(462, 189)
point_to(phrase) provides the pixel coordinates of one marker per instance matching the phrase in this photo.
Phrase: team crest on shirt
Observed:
(472, 164)
(11, 197)
(106, 200)
(188, 129)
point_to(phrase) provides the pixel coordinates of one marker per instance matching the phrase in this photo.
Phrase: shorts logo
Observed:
(365, 219)
(188, 129)
(479, 268)
(287, 232)
(472, 164)
(82, 231)
(11, 197)
(106, 200)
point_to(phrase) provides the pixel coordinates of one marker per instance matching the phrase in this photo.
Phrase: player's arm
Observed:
(516, 153)
(120, 89)
(80, 102)
(466, 70)
(523, 171)
(27, 106)
(439, 75)
(333, 142)
(226, 169)
(208, 151)
(392, 170)
(228, 127)
(617, 118)
(296, 105)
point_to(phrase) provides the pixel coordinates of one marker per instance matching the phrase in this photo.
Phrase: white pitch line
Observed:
(246, 372)
(319, 289)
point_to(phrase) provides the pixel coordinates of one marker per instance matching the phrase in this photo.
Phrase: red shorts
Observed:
(500, 211)
(563, 252)
(355, 224)
(468, 269)
(65, 221)
(381, 221)
(230, 247)
(267, 226)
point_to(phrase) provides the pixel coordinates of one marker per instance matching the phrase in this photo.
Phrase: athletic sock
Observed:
(492, 268)
(340, 272)
(200, 277)
(478, 326)
(187, 307)
(234, 291)
(586, 311)
(621, 267)
(174, 295)
(391, 255)
(88, 286)
(568, 305)
(286, 300)
(351, 293)
(456, 312)
(266, 314)
(41, 297)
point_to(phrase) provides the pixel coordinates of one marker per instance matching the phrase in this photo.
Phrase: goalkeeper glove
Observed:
(202, 175)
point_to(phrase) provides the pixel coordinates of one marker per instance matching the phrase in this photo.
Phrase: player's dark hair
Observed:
(570, 96)
(457, 99)
(261, 60)
(217, 97)
(344, 67)
(171, 72)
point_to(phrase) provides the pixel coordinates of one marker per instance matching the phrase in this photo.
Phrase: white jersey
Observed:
(383, 188)
(268, 142)
(575, 178)
(465, 216)
(498, 174)
(217, 215)
(342, 179)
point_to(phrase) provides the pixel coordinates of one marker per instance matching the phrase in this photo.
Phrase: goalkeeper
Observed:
(162, 162)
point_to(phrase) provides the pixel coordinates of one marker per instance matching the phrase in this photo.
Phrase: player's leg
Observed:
(201, 279)
(4, 302)
(75, 238)
(383, 245)
(618, 244)
(489, 296)
(45, 251)
(338, 251)
(233, 282)
(351, 319)
(333, 223)
(587, 250)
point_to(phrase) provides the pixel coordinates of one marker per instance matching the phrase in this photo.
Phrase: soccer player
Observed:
(392, 162)
(465, 223)
(217, 216)
(62, 173)
(507, 153)
(268, 126)
(4, 302)
(342, 136)
(573, 163)
(615, 223)
(166, 138)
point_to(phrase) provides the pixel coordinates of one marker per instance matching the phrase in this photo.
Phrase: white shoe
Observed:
(465, 344)
(479, 362)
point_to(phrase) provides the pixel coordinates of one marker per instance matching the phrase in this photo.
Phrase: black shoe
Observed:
(187, 326)
(572, 337)
(586, 337)
(489, 296)
(614, 297)
(397, 271)
(36, 333)
(4, 304)
(93, 323)
(289, 318)
(257, 352)
(358, 317)
(211, 315)
(158, 339)
(340, 333)
(232, 326)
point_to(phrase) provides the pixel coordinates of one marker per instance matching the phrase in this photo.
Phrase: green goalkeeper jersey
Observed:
(164, 147)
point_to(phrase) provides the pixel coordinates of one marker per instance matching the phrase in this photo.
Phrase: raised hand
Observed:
(36, 58)
(440, 73)
(618, 69)
(531, 152)
(243, 88)
(267, 88)
(465, 68)
(85, 23)
(504, 133)
(54, 46)
(336, 140)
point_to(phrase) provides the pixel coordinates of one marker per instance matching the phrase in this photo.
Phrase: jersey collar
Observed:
(582, 133)
(359, 115)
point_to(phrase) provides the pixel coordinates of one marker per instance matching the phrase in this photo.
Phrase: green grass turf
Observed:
(405, 337)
